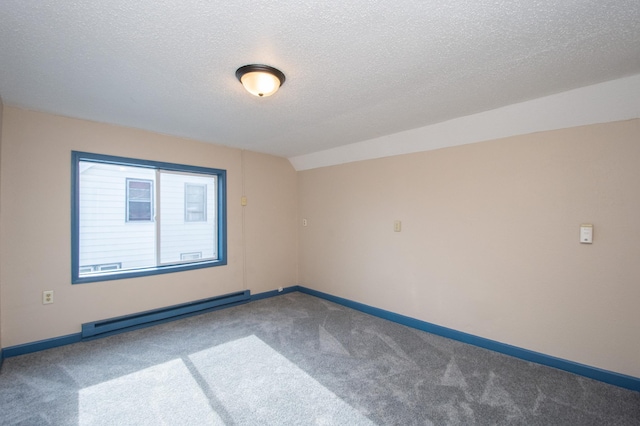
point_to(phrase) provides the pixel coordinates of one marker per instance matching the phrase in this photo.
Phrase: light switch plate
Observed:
(586, 233)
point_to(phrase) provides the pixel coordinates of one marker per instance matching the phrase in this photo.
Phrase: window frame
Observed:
(221, 205)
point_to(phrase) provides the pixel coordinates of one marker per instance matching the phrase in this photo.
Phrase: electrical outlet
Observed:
(47, 297)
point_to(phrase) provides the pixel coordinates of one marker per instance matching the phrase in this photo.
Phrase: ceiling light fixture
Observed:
(260, 80)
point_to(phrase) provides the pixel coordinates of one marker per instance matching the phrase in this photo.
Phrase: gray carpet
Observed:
(295, 360)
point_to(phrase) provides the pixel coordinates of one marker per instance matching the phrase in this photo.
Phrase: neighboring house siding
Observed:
(103, 219)
(132, 244)
(179, 236)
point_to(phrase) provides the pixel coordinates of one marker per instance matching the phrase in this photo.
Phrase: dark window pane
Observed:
(139, 210)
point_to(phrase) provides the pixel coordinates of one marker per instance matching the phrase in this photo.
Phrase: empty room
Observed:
(336, 213)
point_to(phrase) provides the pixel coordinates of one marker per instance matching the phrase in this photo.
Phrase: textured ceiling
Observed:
(355, 69)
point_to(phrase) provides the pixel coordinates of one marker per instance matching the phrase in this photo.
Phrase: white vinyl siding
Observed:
(106, 237)
(178, 235)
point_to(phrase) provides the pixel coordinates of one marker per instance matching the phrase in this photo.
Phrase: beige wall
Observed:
(270, 217)
(35, 223)
(489, 242)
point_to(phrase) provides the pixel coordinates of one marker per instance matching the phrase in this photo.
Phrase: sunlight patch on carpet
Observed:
(163, 394)
(257, 385)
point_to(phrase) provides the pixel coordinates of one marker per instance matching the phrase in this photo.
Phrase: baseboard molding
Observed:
(1, 358)
(41, 345)
(273, 293)
(617, 379)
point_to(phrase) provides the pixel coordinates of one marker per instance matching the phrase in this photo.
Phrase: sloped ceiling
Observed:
(356, 70)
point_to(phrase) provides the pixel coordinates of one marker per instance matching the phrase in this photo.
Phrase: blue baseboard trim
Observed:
(273, 293)
(1, 358)
(41, 345)
(613, 378)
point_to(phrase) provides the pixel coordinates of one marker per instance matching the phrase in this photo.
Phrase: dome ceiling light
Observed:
(260, 80)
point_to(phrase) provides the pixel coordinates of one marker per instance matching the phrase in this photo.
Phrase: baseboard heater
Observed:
(110, 326)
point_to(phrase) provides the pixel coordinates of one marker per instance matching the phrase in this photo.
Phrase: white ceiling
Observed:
(356, 69)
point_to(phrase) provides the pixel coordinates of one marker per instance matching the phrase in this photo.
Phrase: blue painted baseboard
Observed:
(273, 293)
(1, 357)
(41, 345)
(610, 377)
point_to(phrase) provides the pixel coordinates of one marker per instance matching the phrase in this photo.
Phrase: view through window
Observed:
(141, 217)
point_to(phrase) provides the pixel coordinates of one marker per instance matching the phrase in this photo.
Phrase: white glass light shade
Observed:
(260, 80)
(260, 83)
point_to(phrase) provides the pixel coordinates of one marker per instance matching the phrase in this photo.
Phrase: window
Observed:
(136, 217)
(87, 269)
(195, 203)
(190, 256)
(139, 200)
